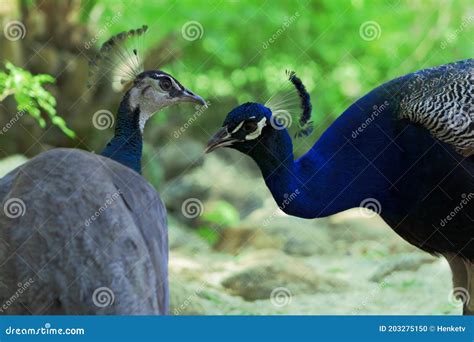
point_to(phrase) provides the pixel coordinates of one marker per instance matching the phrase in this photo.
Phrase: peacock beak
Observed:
(189, 96)
(222, 138)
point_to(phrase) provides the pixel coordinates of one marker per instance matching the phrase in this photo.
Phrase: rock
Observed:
(11, 162)
(181, 156)
(181, 237)
(286, 274)
(352, 226)
(185, 299)
(215, 180)
(405, 262)
(292, 235)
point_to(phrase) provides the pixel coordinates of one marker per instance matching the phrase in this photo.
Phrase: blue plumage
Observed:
(126, 145)
(372, 152)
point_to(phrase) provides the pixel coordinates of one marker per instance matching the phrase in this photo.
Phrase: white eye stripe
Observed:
(238, 127)
(255, 134)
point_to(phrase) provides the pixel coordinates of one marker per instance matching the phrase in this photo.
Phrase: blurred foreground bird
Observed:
(86, 234)
(404, 150)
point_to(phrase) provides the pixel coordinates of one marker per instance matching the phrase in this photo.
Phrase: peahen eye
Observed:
(249, 126)
(165, 84)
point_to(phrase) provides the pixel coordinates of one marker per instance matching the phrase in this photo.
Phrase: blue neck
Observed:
(126, 145)
(342, 169)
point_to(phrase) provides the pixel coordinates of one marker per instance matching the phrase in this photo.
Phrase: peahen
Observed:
(405, 149)
(86, 234)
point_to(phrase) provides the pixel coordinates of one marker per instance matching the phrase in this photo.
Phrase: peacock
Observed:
(404, 150)
(86, 234)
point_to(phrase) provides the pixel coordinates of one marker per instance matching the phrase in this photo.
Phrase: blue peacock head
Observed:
(254, 128)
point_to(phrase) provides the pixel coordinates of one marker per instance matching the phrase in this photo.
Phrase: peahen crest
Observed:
(120, 59)
(292, 103)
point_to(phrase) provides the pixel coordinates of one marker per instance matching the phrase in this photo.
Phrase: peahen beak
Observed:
(222, 138)
(189, 96)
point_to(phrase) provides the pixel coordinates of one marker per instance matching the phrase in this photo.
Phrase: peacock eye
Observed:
(249, 126)
(165, 84)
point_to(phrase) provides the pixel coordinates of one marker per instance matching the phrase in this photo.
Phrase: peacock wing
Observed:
(442, 100)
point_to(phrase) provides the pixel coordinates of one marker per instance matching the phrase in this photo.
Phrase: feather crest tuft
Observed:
(120, 59)
(292, 101)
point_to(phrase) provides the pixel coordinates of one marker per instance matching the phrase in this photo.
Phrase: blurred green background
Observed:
(230, 52)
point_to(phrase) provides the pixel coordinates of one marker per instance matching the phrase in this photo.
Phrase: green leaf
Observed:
(30, 95)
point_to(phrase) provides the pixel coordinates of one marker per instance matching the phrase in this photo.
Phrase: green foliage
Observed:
(222, 213)
(31, 96)
(209, 234)
(234, 61)
(219, 216)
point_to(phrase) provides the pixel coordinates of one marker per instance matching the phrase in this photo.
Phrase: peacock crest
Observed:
(292, 104)
(120, 59)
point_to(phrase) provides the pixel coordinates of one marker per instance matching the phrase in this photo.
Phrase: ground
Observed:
(270, 263)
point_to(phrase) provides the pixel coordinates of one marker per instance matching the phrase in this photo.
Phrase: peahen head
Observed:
(261, 131)
(154, 90)
(121, 59)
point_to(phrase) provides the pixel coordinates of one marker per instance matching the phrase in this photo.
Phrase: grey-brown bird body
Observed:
(88, 236)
